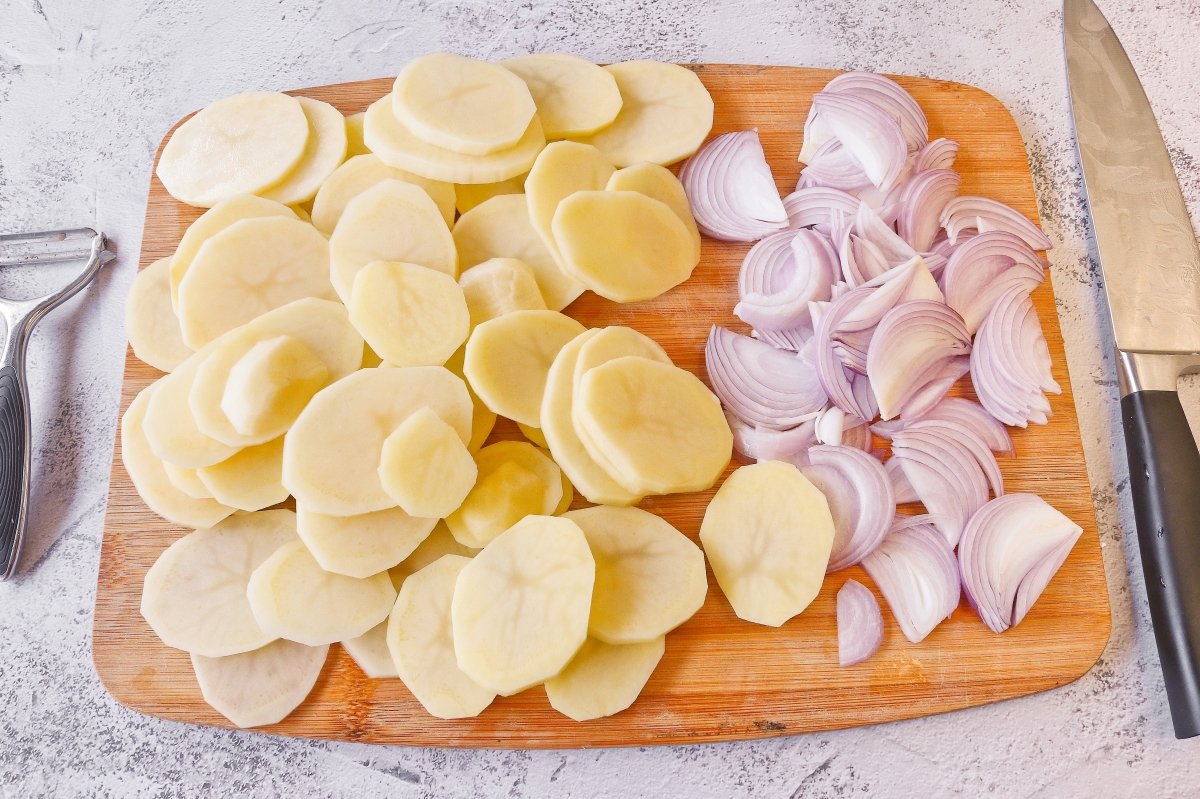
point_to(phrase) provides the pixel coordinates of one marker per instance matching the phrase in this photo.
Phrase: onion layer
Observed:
(1011, 366)
(945, 473)
(759, 384)
(916, 571)
(962, 411)
(859, 623)
(924, 197)
(781, 275)
(914, 344)
(731, 189)
(983, 214)
(984, 267)
(814, 207)
(860, 498)
(870, 135)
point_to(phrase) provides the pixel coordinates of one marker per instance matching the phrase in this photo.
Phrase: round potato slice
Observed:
(170, 426)
(391, 221)
(251, 267)
(515, 480)
(150, 479)
(410, 315)
(653, 253)
(666, 113)
(331, 454)
(661, 184)
(658, 425)
(370, 652)
(534, 434)
(361, 545)
(426, 467)
(194, 596)
(354, 135)
(649, 577)
(499, 286)
(461, 104)
(271, 384)
(326, 148)
(292, 597)
(440, 542)
(361, 173)
(768, 533)
(469, 195)
(261, 687)
(422, 646)
(150, 320)
(560, 170)
(603, 679)
(574, 97)
(500, 228)
(187, 481)
(507, 360)
(483, 419)
(520, 607)
(398, 146)
(242, 144)
(250, 480)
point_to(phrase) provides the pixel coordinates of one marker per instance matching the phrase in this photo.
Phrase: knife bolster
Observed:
(1153, 371)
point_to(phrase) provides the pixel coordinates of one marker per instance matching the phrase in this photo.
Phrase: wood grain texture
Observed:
(721, 678)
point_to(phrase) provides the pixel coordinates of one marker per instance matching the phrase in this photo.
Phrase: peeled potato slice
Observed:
(150, 320)
(410, 315)
(603, 679)
(292, 597)
(499, 286)
(354, 135)
(652, 254)
(422, 647)
(515, 480)
(150, 479)
(666, 113)
(361, 173)
(649, 577)
(395, 144)
(500, 228)
(261, 687)
(251, 267)
(326, 148)
(331, 454)
(187, 481)
(362, 545)
(520, 607)
(250, 480)
(271, 384)
(440, 542)
(483, 419)
(560, 170)
(767, 534)
(194, 596)
(534, 434)
(170, 426)
(370, 652)
(659, 183)
(391, 221)
(425, 466)
(507, 360)
(574, 97)
(242, 144)
(469, 195)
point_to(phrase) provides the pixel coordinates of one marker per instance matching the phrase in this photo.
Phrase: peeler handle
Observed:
(14, 450)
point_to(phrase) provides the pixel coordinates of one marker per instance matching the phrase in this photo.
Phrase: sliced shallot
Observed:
(946, 476)
(781, 275)
(938, 154)
(759, 384)
(913, 345)
(984, 267)
(891, 98)
(766, 444)
(731, 189)
(871, 135)
(814, 206)
(860, 498)
(901, 488)
(983, 214)
(924, 197)
(859, 623)
(1010, 366)
(917, 574)
(969, 414)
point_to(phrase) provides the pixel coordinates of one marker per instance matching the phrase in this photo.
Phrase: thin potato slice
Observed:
(658, 425)
(391, 221)
(483, 419)
(361, 173)
(623, 245)
(187, 481)
(767, 534)
(426, 467)
(499, 286)
(292, 597)
(507, 360)
(170, 426)
(261, 687)
(649, 577)
(534, 434)
(354, 135)
(574, 97)
(370, 652)
(410, 315)
(242, 144)
(515, 480)
(269, 385)
(331, 454)
(150, 320)
(326, 148)
(250, 480)
(362, 545)
(469, 195)
(194, 596)
(440, 542)
(398, 146)
(422, 646)
(560, 170)
(666, 113)
(661, 184)
(520, 607)
(603, 679)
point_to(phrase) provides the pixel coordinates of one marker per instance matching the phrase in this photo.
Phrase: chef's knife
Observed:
(1151, 267)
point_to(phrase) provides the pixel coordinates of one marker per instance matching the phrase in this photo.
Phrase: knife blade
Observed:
(1151, 265)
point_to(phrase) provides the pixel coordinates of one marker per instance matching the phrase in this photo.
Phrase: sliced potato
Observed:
(326, 148)
(533, 434)
(661, 184)
(263, 686)
(603, 679)
(370, 652)
(666, 113)
(361, 545)
(391, 221)
(150, 320)
(331, 454)
(361, 173)
(398, 146)
(187, 481)
(767, 534)
(500, 228)
(426, 467)
(568, 494)
(271, 384)
(574, 97)
(440, 542)
(170, 426)
(507, 360)
(469, 195)
(354, 135)
(560, 170)
(652, 254)
(292, 597)
(515, 480)
(242, 144)
(483, 419)
(520, 607)
(499, 286)
(194, 596)
(410, 315)
(649, 577)
(250, 480)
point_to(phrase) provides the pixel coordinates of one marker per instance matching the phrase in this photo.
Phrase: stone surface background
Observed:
(87, 89)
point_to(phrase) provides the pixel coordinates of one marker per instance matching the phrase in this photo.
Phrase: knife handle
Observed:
(14, 461)
(1164, 476)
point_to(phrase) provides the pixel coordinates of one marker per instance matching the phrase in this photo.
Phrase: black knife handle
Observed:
(14, 466)
(1164, 476)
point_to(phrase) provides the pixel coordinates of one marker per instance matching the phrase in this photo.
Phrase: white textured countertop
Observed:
(87, 89)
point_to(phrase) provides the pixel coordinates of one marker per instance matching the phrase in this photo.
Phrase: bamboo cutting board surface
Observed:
(721, 678)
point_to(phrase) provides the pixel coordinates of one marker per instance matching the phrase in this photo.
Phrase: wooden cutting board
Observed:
(721, 678)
